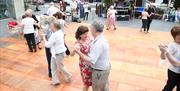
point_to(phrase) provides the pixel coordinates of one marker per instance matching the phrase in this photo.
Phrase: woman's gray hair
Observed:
(99, 27)
(28, 12)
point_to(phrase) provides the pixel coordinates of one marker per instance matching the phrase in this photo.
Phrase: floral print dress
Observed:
(111, 17)
(85, 68)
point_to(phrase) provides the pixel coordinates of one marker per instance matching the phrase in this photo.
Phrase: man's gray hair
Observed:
(99, 27)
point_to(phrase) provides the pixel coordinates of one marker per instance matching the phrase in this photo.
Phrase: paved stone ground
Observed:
(134, 57)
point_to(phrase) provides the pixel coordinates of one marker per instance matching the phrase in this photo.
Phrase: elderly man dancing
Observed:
(98, 58)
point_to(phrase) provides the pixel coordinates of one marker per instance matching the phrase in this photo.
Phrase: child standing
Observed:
(172, 53)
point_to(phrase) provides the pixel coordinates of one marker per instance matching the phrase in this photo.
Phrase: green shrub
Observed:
(177, 3)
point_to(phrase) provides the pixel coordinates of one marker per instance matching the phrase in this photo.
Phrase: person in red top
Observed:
(83, 42)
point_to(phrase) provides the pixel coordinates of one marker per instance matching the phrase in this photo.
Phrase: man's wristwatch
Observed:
(166, 53)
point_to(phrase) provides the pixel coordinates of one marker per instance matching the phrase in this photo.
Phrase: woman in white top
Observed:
(172, 53)
(86, 10)
(73, 6)
(52, 9)
(57, 47)
(178, 15)
(59, 17)
(145, 16)
(28, 29)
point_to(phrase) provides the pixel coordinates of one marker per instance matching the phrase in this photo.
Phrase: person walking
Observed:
(86, 10)
(62, 6)
(73, 6)
(36, 28)
(150, 11)
(57, 47)
(178, 14)
(28, 29)
(98, 57)
(111, 18)
(37, 5)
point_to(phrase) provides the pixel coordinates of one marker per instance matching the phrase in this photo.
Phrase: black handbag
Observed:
(67, 51)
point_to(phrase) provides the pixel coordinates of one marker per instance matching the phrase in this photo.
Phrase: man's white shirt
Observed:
(52, 10)
(28, 25)
(73, 5)
(99, 53)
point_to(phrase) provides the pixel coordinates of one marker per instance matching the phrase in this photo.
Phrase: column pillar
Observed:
(15, 8)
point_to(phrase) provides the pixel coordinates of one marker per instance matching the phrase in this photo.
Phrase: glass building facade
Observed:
(11, 8)
(3, 9)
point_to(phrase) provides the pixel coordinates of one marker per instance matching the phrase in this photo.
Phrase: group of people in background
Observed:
(148, 14)
(93, 52)
(172, 15)
(79, 10)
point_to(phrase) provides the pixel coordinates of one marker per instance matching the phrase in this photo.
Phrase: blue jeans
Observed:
(171, 18)
(178, 17)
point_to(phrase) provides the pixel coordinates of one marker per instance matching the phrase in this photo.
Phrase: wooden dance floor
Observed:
(134, 57)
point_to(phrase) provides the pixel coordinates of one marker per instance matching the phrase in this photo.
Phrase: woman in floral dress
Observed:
(83, 42)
